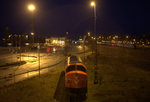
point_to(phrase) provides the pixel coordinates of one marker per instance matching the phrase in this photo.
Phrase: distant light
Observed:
(9, 44)
(61, 42)
(89, 34)
(80, 39)
(32, 33)
(26, 36)
(9, 36)
(27, 44)
(55, 41)
(92, 3)
(112, 41)
(54, 49)
(38, 46)
(80, 47)
(127, 36)
(67, 33)
(116, 36)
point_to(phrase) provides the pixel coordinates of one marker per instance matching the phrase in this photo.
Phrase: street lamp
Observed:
(32, 8)
(93, 4)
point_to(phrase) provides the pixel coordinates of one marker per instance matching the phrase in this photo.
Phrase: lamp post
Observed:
(31, 8)
(93, 4)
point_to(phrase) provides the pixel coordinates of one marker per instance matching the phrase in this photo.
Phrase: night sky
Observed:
(55, 17)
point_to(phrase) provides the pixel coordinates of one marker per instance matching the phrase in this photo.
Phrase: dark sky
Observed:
(55, 17)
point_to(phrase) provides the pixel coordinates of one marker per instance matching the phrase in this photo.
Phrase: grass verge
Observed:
(37, 89)
(124, 74)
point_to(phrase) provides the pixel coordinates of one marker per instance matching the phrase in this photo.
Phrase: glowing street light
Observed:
(92, 3)
(31, 7)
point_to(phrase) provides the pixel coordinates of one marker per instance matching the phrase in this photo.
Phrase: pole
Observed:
(84, 48)
(32, 27)
(39, 57)
(20, 47)
(96, 62)
(84, 52)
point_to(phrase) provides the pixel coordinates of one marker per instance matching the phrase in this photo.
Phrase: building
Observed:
(22, 39)
(55, 41)
(16, 40)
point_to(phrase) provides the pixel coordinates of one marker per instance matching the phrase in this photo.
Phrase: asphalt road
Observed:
(11, 71)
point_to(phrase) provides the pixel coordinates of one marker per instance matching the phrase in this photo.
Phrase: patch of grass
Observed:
(121, 71)
(37, 89)
(122, 74)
